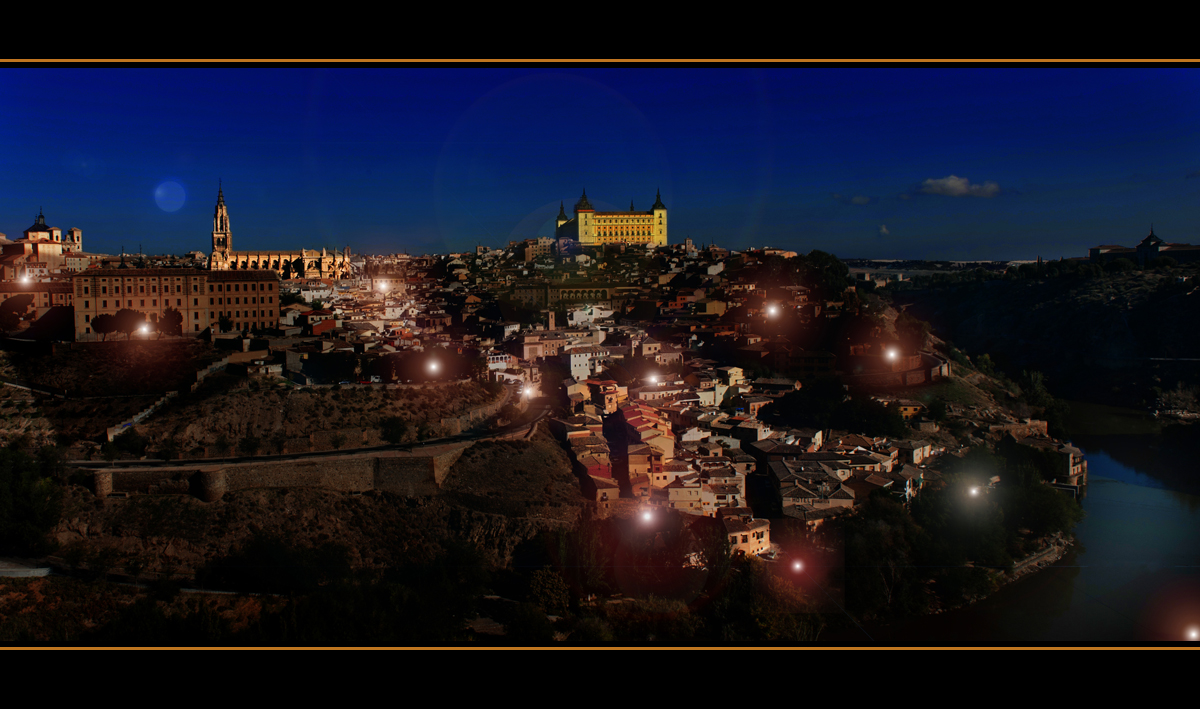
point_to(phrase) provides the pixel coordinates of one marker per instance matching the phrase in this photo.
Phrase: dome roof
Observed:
(40, 224)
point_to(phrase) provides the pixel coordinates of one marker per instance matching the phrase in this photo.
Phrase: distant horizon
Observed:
(933, 163)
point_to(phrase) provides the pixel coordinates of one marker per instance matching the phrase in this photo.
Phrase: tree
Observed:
(1119, 265)
(937, 410)
(104, 325)
(132, 442)
(914, 333)
(393, 429)
(30, 505)
(549, 592)
(169, 448)
(757, 605)
(225, 323)
(249, 445)
(279, 441)
(12, 309)
(128, 321)
(985, 365)
(171, 323)
(882, 576)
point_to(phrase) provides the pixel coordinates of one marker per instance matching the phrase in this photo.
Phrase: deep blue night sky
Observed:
(952, 163)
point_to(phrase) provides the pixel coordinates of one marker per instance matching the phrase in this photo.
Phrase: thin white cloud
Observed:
(954, 186)
(883, 230)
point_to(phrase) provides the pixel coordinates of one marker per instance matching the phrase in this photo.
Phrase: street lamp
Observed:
(892, 354)
(772, 311)
(433, 367)
(797, 566)
(654, 379)
(974, 492)
(1193, 634)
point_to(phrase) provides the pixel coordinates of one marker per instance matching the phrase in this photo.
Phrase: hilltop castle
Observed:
(307, 263)
(592, 228)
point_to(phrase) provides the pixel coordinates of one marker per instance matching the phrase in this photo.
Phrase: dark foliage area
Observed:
(30, 501)
(1091, 329)
(958, 536)
(824, 403)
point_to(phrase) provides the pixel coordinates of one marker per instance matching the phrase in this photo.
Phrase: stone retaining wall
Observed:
(392, 471)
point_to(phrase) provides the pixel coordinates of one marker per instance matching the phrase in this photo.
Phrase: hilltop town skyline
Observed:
(911, 163)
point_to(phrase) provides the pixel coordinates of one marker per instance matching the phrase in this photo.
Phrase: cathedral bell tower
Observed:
(222, 241)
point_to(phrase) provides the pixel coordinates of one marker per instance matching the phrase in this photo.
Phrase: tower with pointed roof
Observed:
(222, 240)
(659, 226)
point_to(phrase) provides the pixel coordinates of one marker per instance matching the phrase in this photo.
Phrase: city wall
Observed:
(389, 471)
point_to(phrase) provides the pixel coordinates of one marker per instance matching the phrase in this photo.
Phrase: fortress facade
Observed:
(598, 229)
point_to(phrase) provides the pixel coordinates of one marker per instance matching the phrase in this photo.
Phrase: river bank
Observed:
(1054, 549)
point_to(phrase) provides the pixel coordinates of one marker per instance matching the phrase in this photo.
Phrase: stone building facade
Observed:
(250, 299)
(41, 250)
(599, 229)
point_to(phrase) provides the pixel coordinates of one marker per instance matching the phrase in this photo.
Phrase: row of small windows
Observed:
(236, 287)
(179, 302)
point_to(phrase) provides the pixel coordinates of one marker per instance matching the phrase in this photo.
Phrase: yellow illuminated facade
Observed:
(592, 228)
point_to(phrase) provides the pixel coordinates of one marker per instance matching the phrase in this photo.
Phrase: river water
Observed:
(1133, 575)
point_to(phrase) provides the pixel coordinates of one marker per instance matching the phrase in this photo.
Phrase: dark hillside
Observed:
(1110, 339)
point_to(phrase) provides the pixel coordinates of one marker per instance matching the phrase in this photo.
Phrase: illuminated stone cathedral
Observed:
(305, 263)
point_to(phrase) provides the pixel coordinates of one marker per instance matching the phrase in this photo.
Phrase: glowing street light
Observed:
(772, 311)
(433, 367)
(974, 492)
(145, 329)
(647, 516)
(797, 566)
(892, 354)
(654, 379)
(1193, 634)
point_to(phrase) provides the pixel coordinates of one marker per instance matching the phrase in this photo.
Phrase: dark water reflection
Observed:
(1133, 575)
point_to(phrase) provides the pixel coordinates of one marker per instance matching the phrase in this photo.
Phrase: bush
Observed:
(30, 505)
(249, 445)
